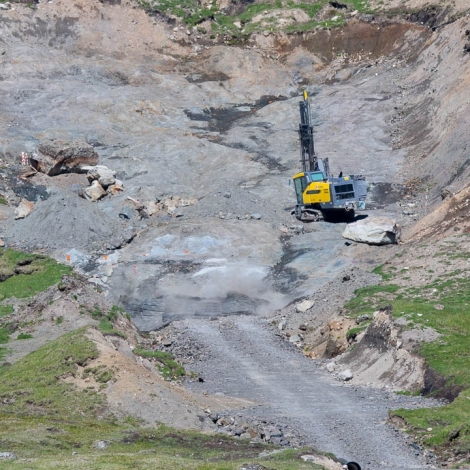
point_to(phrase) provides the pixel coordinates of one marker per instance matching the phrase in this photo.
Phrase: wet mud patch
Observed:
(380, 195)
(432, 16)
(201, 77)
(269, 162)
(284, 278)
(437, 386)
(28, 190)
(221, 119)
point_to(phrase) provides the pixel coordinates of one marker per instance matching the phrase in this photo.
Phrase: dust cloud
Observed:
(226, 288)
(214, 288)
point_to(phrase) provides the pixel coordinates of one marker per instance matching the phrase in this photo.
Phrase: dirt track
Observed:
(247, 361)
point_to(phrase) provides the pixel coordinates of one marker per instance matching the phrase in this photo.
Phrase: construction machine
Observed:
(318, 192)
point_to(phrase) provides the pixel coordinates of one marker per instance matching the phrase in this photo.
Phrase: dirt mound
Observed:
(64, 221)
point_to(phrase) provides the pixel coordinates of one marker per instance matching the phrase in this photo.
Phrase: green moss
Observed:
(353, 332)
(167, 365)
(24, 336)
(25, 274)
(6, 310)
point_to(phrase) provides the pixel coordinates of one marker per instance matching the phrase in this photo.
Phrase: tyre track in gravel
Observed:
(247, 360)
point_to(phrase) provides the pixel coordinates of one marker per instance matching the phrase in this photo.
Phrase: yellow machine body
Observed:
(315, 192)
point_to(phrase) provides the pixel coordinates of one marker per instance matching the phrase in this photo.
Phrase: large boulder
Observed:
(55, 157)
(374, 231)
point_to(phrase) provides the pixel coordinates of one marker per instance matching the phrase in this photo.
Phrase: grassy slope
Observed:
(442, 304)
(192, 13)
(48, 423)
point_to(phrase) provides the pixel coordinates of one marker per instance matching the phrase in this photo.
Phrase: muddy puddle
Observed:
(221, 119)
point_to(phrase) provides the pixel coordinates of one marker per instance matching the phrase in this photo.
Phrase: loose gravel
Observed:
(241, 357)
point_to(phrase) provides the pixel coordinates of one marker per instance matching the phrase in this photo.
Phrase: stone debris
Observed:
(81, 225)
(7, 456)
(169, 204)
(103, 182)
(128, 212)
(330, 367)
(94, 192)
(374, 231)
(345, 375)
(24, 209)
(257, 431)
(305, 305)
(103, 174)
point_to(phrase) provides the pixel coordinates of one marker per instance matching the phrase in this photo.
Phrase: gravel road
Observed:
(246, 359)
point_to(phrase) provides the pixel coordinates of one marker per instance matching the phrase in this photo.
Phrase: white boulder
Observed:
(303, 306)
(374, 231)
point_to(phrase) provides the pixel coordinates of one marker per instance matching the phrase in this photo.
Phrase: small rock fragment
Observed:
(94, 192)
(345, 375)
(330, 367)
(305, 305)
(24, 209)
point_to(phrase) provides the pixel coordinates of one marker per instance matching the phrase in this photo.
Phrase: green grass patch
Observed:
(368, 299)
(3, 353)
(6, 310)
(444, 305)
(106, 319)
(23, 274)
(34, 382)
(353, 332)
(167, 365)
(51, 444)
(386, 275)
(193, 13)
(24, 336)
(449, 425)
(53, 424)
(107, 328)
(4, 335)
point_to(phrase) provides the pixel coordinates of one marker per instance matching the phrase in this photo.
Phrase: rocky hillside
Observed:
(150, 146)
